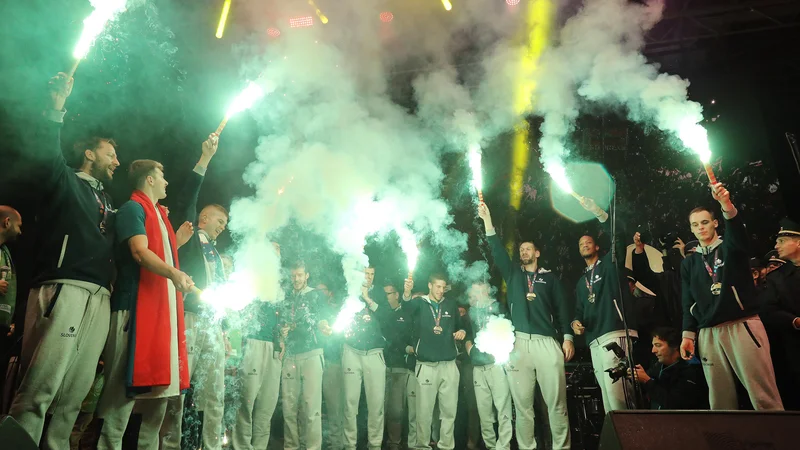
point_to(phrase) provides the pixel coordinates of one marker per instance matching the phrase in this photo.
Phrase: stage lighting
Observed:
(512, 2)
(273, 32)
(386, 17)
(301, 22)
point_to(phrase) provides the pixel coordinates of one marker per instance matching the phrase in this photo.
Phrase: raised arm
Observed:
(186, 208)
(501, 258)
(45, 146)
(735, 231)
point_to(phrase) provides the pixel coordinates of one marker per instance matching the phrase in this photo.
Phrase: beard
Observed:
(526, 261)
(101, 173)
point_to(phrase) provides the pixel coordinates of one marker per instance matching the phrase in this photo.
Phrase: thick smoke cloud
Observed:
(347, 160)
(597, 58)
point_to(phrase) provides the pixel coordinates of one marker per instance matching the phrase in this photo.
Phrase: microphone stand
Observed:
(633, 403)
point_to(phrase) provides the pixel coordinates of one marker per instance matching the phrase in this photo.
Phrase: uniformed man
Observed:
(720, 311)
(302, 326)
(540, 314)
(599, 314)
(399, 369)
(363, 364)
(489, 379)
(782, 313)
(437, 326)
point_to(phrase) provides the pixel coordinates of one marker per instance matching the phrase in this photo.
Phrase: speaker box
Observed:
(700, 430)
(13, 436)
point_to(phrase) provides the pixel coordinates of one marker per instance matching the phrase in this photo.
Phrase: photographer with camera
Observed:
(672, 383)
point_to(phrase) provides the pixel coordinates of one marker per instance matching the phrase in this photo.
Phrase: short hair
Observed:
(701, 209)
(219, 208)
(8, 212)
(437, 276)
(389, 282)
(90, 143)
(299, 264)
(669, 335)
(141, 169)
(525, 239)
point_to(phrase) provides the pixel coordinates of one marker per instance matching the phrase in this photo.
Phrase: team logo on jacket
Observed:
(446, 314)
(70, 333)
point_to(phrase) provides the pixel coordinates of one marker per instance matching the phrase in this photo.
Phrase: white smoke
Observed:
(597, 58)
(496, 339)
(347, 160)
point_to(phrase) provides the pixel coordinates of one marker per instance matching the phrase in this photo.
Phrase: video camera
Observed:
(621, 369)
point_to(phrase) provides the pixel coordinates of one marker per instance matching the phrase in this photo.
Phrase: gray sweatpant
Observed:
(367, 367)
(333, 392)
(437, 380)
(738, 348)
(302, 383)
(492, 392)
(114, 406)
(66, 325)
(538, 360)
(602, 360)
(396, 402)
(260, 375)
(205, 348)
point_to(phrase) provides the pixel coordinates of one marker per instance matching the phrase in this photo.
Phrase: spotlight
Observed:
(273, 32)
(512, 2)
(386, 17)
(301, 22)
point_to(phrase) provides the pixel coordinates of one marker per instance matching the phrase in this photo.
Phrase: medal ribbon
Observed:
(437, 316)
(531, 283)
(590, 281)
(712, 272)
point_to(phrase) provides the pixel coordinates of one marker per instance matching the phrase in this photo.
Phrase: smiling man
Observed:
(66, 322)
(720, 311)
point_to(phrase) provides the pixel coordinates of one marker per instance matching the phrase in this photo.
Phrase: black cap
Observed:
(772, 257)
(789, 228)
(755, 263)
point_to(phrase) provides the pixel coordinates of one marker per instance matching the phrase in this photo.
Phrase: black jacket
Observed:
(429, 346)
(190, 255)
(546, 315)
(77, 218)
(604, 314)
(302, 314)
(679, 386)
(259, 320)
(365, 331)
(397, 331)
(781, 297)
(738, 299)
(479, 317)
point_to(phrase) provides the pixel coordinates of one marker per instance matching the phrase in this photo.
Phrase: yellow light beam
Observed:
(447, 5)
(322, 17)
(226, 7)
(539, 18)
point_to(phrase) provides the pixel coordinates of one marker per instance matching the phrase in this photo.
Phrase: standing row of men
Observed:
(142, 332)
(155, 343)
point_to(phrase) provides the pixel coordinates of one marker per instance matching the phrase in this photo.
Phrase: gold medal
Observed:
(437, 329)
(716, 288)
(592, 297)
(530, 296)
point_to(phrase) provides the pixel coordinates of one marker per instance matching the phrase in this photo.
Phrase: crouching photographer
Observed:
(672, 383)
